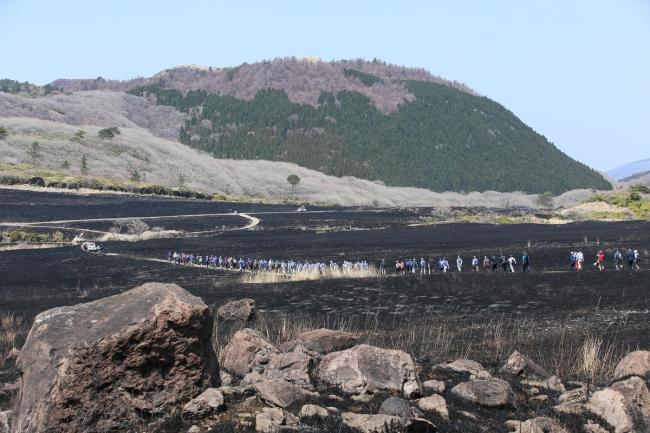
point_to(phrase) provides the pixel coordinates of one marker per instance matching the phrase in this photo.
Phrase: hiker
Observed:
(504, 263)
(581, 260)
(487, 264)
(637, 259)
(573, 259)
(525, 261)
(600, 261)
(511, 263)
(630, 258)
(618, 260)
(423, 266)
(445, 264)
(475, 264)
(382, 267)
(459, 263)
(495, 264)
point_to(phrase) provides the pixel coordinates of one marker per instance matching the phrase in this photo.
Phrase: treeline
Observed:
(445, 140)
(25, 88)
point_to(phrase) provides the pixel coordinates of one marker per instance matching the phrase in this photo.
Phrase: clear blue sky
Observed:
(577, 71)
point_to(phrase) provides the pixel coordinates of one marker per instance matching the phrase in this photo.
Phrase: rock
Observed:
(412, 388)
(593, 428)
(485, 392)
(291, 366)
(519, 364)
(625, 405)
(577, 395)
(437, 386)
(435, 404)
(246, 350)
(103, 365)
(226, 378)
(466, 366)
(207, 403)
(362, 398)
(397, 407)
(552, 383)
(279, 392)
(251, 379)
(271, 420)
(539, 398)
(570, 407)
(322, 341)
(540, 424)
(313, 411)
(373, 423)
(5, 421)
(194, 429)
(243, 310)
(366, 368)
(635, 363)
(230, 393)
(386, 423)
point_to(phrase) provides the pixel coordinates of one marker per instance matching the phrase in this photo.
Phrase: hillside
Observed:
(401, 126)
(631, 170)
(161, 162)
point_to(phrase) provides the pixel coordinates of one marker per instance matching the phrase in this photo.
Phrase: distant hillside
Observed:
(630, 170)
(402, 126)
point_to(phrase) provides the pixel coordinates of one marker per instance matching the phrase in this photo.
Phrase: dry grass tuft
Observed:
(270, 277)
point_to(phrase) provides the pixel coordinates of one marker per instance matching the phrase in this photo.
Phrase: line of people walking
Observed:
(495, 263)
(577, 259)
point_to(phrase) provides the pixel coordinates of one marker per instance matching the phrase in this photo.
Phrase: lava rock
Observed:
(367, 368)
(103, 365)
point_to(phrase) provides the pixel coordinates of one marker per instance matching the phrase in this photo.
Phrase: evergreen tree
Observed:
(34, 152)
(3, 132)
(84, 164)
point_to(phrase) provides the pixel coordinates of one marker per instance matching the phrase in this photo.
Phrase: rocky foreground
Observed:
(146, 361)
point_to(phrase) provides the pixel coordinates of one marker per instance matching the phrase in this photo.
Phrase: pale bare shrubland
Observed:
(161, 162)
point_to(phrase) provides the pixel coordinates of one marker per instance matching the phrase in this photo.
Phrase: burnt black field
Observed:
(611, 305)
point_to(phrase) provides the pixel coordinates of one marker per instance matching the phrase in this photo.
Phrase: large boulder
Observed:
(635, 363)
(279, 392)
(625, 405)
(486, 392)
(243, 309)
(230, 318)
(366, 368)
(322, 341)
(5, 421)
(246, 350)
(104, 365)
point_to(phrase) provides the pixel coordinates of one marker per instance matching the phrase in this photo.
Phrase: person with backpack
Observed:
(637, 259)
(525, 260)
(618, 260)
(459, 263)
(600, 261)
(630, 258)
(475, 264)
(504, 263)
(487, 264)
(511, 263)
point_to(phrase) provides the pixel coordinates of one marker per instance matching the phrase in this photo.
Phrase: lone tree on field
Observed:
(293, 180)
(34, 152)
(3, 132)
(108, 133)
(84, 164)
